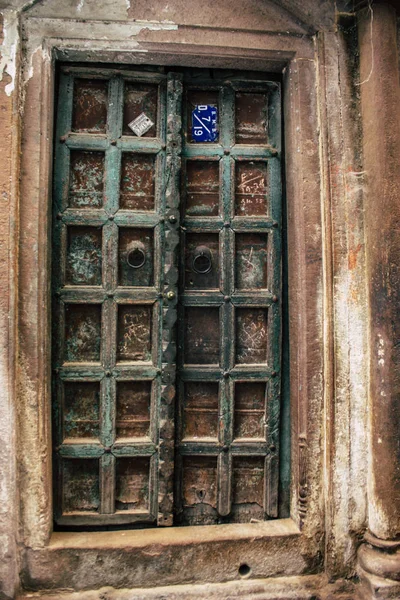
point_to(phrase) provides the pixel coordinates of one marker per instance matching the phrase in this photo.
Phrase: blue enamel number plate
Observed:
(204, 123)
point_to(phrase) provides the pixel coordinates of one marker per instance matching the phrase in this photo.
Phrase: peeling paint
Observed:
(29, 70)
(8, 60)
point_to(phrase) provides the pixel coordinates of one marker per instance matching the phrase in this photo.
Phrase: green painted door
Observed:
(166, 285)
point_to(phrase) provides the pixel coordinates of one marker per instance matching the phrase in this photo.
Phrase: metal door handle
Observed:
(136, 256)
(202, 260)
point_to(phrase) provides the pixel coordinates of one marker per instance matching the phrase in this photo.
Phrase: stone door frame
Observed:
(290, 546)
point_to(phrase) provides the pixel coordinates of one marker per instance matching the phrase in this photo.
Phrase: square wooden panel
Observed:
(251, 118)
(201, 188)
(248, 489)
(81, 485)
(134, 329)
(251, 188)
(82, 332)
(251, 335)
(140, 98)
(202, 263)
(249, 410)
(133, 409)
(86, 185)
(137, 183)
(200, 410)
(81, 409)
(251, 261)
(132, 481)
(89, 113)
(202, 336)
(135, 256)
(84, 256)
(199, 490)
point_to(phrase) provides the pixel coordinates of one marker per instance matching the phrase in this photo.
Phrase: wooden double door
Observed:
(166, 297)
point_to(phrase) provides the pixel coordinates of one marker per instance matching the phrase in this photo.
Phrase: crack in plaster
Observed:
(8, 60)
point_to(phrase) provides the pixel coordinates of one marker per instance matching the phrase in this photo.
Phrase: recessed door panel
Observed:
(140, 98)
(201, 188)
(133, 409)
(90, 104)
(202, 261)
(81, 410)
(251, 188)
(86, 179)
(137, 186)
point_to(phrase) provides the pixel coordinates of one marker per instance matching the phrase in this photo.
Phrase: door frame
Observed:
(289, 546)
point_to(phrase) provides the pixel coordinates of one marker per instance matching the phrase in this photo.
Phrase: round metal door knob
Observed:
(170, 295)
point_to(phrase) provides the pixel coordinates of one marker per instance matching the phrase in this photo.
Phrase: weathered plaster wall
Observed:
(256, 15)
(379, 555)
(346, 379)
(382, 151)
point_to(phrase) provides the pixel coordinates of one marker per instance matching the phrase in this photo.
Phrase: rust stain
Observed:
(353, 253)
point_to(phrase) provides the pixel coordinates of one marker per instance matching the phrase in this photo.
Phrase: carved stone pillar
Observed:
(379, 555)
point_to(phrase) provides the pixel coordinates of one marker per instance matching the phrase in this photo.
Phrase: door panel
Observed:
(229, 341)
(166, 294)
(110, 252)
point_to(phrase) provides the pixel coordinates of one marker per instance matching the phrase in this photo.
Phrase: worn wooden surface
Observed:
(230, 298)
(108, 270)
(109, 208)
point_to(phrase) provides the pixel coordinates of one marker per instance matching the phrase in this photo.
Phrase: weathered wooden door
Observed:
(166, 283)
